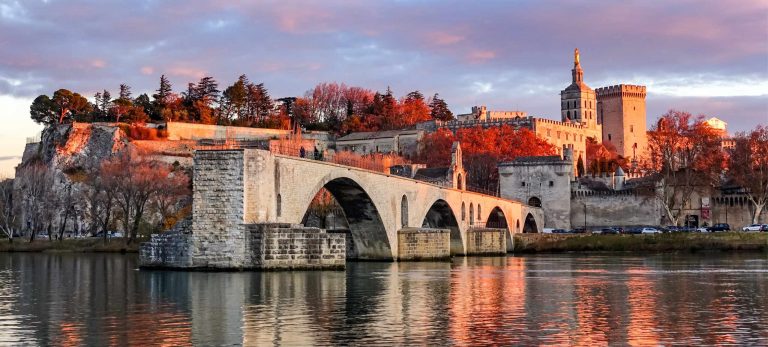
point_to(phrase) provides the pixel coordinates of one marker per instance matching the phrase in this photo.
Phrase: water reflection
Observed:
(72, 300)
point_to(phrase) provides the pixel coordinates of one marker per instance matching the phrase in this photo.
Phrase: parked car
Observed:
(649, 230)
(609, 231)
(702, 230)
(559, 231)
(579, 230)
(720, 227)
(634, 230)
(673, 228)
(753, 227)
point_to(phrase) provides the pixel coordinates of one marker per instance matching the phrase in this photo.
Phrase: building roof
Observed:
(377, 135)
(577, 86)
(432, 172)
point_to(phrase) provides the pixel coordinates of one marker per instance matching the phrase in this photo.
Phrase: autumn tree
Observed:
(748, 168)
(413, 109)
(138, 182)
(483, 149)
(439, 109)
(685, 155)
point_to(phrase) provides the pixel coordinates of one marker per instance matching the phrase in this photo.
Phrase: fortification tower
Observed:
(577, 101)
(621, 111)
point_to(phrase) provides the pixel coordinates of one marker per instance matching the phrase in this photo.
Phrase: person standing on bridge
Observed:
(317, 154)
(302, 152)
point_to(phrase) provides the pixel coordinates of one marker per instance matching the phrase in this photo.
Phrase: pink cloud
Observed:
(98, 63)
(147, 70)
(189, 72)
(479, 56)
(444, 39)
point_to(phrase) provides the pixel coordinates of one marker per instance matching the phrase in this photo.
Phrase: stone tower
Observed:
(577, 101)
(621, 111)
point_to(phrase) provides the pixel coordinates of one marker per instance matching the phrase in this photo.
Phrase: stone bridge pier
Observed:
(387, 215)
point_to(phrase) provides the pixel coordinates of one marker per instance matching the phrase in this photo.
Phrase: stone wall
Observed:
(217, 209)
(279, 246)
(171, 250)
(548, 181)
(190, 131)
(486, 241)
(423, 244)
(615, 210)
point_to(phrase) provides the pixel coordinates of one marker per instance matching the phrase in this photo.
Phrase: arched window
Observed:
(471, 214)
(404, 211)
(479, 213)
(534, 201)
(463, 212)
(279, 205)
(517, 226)
(459, 183)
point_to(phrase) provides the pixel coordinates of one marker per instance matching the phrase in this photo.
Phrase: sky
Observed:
(704, 57)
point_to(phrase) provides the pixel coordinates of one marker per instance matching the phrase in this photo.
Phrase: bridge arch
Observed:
(440, 216)
(367, 238)
(530, 224)
(497, 219)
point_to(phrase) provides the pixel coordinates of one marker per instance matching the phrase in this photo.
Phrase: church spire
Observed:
(577, 72)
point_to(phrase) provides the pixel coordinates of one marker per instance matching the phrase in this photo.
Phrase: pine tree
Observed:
(163, 93)
(439, 109)
(580, 167)
(125, 92)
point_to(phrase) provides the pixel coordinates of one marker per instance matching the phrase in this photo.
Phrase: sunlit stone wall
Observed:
(423, 244)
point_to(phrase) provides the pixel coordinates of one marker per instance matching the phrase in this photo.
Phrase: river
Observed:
(103, 299)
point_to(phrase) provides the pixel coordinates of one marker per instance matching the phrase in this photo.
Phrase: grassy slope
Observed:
(689, 242)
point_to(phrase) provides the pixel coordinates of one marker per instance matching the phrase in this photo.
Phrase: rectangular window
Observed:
(551, 183)
(631, 128)
(522, 184)
(558, 135)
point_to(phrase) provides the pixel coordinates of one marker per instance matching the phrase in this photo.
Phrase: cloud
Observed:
(506, 55)
(14, 158)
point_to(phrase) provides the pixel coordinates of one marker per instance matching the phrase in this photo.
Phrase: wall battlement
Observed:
(621, 90)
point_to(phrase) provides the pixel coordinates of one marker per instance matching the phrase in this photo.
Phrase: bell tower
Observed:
(577, 101)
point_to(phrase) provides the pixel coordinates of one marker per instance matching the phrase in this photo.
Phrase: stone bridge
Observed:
(235, 189)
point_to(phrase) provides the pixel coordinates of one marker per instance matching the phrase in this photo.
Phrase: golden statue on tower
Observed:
(576, 56)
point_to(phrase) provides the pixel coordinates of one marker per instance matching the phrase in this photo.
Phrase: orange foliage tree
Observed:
(602, 157)
(748, 167)
(483, 149)
(685, 155)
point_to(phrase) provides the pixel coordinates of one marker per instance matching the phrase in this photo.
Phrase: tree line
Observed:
(328, 106)
(127, 191)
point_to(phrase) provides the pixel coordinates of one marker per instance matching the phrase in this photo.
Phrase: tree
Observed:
(439, 109)
(36, 186)
(125, 92)
(64, 106)
(483, 149)
(160, 99)
(7, 215)
(234, 100)
(43, 111)
(137, 181)
(413, 109)
(685, 155)
(748, 168)
(580, 167)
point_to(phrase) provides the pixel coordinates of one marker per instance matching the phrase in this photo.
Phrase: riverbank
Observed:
(671, 242)
(115, 245)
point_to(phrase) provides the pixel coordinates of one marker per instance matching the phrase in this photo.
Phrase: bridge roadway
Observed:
(247, 186)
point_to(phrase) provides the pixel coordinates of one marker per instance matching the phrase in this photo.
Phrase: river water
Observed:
(103, 299)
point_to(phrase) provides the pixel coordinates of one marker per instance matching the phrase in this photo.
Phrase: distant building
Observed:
(453, 176)
(621, 111)
(481, 113)
(402, 142)
(719, 125)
